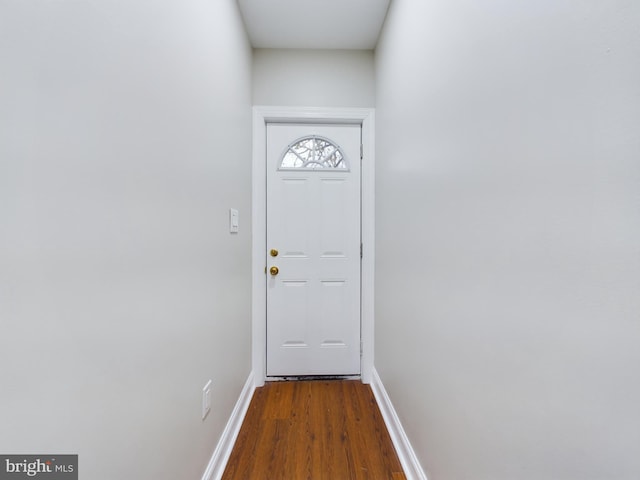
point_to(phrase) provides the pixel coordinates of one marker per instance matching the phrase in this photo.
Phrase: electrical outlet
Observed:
(206, 400)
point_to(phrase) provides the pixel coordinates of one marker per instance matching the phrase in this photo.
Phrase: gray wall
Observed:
(125, 136)
(316, 78)
(508, 236)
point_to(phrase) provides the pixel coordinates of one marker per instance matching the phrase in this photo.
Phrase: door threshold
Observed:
(297, 378)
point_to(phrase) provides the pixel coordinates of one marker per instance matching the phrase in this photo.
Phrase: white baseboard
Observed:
(410, 464)
(220, 456)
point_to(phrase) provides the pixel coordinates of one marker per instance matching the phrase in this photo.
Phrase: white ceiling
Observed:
(328, 24)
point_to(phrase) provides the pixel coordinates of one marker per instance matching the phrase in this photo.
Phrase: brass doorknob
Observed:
(274, 271)
(273, 252)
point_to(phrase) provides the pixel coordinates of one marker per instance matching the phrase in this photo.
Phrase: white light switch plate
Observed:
(233, 220)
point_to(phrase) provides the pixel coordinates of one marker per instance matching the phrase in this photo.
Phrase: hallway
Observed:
(313, 429)
(503, 259)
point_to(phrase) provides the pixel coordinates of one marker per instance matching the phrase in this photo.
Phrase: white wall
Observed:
(313, 78)
(508, 236)
(125, 131)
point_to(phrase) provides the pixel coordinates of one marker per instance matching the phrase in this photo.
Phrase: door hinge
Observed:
(361, 151)
(361, 250)
(361, 349)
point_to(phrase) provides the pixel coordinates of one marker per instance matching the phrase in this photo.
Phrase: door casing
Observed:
(261, 116)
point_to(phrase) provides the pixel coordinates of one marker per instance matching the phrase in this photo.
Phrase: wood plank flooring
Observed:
(315, 430)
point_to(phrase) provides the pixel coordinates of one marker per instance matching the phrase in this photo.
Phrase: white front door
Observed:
(313, 249)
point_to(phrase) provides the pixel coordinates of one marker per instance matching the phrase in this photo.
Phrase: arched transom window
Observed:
(313, 152)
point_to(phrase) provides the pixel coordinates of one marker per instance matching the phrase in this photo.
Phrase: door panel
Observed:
(313, 221)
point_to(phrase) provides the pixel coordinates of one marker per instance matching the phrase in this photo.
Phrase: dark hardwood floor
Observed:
(318, 429)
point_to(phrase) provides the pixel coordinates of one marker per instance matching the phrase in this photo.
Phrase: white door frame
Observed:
(261, 116)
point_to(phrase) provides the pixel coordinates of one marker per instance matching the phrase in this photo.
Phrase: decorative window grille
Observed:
(313, 152)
